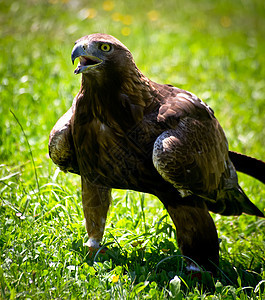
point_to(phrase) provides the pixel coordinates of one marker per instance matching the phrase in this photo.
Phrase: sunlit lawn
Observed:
(214, 49)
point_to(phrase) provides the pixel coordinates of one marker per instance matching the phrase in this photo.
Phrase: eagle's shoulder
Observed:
(176, 103)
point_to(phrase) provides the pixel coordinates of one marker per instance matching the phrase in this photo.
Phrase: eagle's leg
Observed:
(196, 236)
(179, 161)
(96, 201)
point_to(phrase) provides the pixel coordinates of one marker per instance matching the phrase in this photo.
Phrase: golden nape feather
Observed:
(125, 131)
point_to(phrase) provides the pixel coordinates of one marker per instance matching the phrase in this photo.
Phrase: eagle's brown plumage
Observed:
(125, 131)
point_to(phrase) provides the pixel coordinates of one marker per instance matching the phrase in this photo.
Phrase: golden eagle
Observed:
(125, 131)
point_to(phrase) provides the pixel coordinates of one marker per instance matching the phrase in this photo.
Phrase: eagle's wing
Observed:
(192, 154)
(61, 146)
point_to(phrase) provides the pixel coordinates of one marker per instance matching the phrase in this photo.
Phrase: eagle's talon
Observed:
(93, 251)
(200, 275)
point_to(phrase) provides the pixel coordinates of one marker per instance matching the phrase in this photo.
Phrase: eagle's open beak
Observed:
(86, 61)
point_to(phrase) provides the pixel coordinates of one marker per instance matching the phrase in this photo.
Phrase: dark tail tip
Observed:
(247, 206)
(248, 165)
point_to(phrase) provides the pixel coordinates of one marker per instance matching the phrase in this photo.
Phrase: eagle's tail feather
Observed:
(248, 165)
(247, 206)
(237, 202)
(233, 202)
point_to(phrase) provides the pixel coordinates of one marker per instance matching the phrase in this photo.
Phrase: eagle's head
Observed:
(110, 77)
(101, 54)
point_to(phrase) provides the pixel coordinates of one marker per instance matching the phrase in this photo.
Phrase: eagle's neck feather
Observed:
(119, 101)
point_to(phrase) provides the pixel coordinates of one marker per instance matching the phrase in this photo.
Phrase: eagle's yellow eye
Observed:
(105, 47)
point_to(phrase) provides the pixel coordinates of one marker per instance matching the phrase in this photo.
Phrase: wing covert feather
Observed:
(61, 146)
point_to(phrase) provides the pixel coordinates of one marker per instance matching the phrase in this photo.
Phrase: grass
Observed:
(212, 48)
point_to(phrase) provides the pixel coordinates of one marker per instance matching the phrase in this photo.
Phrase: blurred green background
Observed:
(214, 49)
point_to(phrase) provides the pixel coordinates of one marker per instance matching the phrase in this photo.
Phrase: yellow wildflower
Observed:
(127, 20)
(116, 17)
(115, 278)
(153, 15)
(90, 13)
(225, 21)
(108, 5)
(125, 31)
